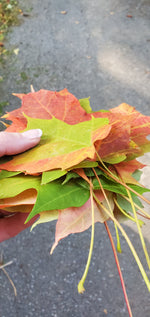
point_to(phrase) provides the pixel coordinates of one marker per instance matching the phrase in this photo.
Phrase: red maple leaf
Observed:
(45, 104)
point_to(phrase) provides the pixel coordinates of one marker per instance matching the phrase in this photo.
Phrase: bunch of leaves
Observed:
(83, 171)
(9, 11)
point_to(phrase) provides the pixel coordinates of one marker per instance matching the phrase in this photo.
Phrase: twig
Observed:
(2, 267)
(6, 264)
(10, 280)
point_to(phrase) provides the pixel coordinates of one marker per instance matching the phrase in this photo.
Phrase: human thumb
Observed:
(13, 143)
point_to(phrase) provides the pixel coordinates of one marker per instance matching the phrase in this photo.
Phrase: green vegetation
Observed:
(3, 104)
(9, 12)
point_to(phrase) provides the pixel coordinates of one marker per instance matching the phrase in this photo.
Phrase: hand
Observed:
(14, 143)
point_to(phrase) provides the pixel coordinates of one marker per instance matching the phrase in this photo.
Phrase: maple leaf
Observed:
(50, 176)
(62, 145)
(25, 209)
(6, 174)
(27, 197)
(127, 137)
(46, 216)
(45, 104)
(54, 195)
(114, 148)
(139, 127)
(13, 186)
(75, 220)
(117, 141)
(126, 169)
(140, 124)
(76, 139)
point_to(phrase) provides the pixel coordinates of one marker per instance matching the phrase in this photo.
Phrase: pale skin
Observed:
(10, 144)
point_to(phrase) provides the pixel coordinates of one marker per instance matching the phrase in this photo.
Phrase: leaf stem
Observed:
(110, 208)
(118, 239)
(119, 269)
(139, 230)
(81, 288)
(147, 216)
(114, 177)
(143, 273)
(126, 214)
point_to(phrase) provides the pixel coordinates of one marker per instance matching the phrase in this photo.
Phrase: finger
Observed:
(13, 143)
(13, 225)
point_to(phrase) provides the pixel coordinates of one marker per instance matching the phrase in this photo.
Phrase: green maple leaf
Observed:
(62, 145)
(54, 195)
(12, 186)
(5, 174)
(85, 104)
(50, 176)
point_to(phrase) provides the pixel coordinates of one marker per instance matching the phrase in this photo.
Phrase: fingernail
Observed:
(32, 134)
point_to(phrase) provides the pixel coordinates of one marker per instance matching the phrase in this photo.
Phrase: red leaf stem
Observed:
(119, 269)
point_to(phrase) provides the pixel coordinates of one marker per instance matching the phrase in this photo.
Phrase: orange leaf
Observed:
(128, 133)
(27, 197)
(126, 169)
(19, 209)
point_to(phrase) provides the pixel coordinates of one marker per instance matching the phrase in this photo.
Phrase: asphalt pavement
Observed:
(93, 48)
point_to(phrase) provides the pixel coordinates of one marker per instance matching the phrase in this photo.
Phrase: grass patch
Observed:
(9, 12)
(3, 104)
